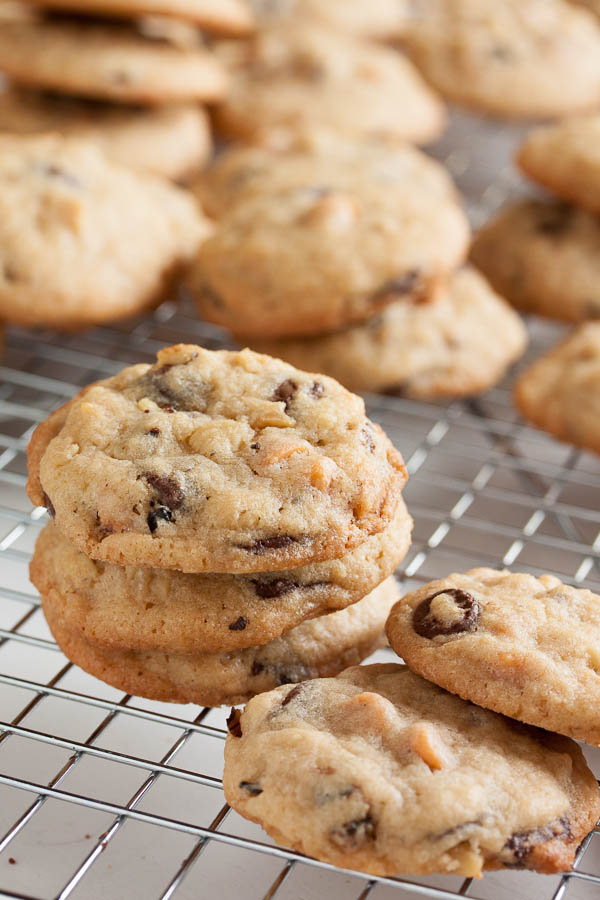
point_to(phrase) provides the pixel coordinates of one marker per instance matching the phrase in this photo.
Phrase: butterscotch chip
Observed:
(523, 646)
(119, 466)
(85, 241)
(319, 648)
(560, 392)
(393, 775)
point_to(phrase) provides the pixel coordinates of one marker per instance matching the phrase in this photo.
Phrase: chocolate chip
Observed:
(154, 432)
(520, 844)
(257, 668)
(263, 545)
(317, 389)
(268, 590)
(401, 286)
(253, 788)
(353, 834)
(555, 219)
(428, 626)
(49, 505)
(285, 392)
(12, 861)
(161, 512)
(234, 726)
(292, 695)
(167, 490)
(103, 529)
(239, 624)
(255, 446)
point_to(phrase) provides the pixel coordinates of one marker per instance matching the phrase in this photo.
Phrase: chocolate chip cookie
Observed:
(523, 646)
(84, 241)
(517, 58)
(129, 608)
(381, 771)
(544, 257)
(560, 392)
(319, 648)
(565, 157)
(460, 343)
(172, 141)
(212, 461)
(291, 78)
(226, 17)
(107, 62)
(324, 254)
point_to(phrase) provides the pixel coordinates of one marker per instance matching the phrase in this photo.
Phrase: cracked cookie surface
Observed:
(319, 648)
(523, 646)
(381, 771)
(215, 461)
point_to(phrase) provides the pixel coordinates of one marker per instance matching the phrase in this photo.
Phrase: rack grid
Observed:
(110, 797)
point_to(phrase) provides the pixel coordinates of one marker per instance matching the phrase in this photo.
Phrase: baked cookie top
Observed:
(289, 78)
(215, 461)
(518, 58)
(227, 17)
(82, 240)
(565, 157)
(134, 608)
(393, 775)
(172, 141)
(544, 257)
(108, 62)
(560, 392)
(376, 19)
(523, 646)
(319, 648)
(319, 161)
(332, 248)
(460, 343)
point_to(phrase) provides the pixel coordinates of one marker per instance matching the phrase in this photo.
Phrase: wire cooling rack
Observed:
(110, 797)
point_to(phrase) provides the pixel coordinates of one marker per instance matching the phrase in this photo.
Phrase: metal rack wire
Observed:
(109, 796)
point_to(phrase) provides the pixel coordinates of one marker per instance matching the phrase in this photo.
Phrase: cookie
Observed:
(130, 608)
(288, 79)
(107, 62)
(215, 461)
(319, 160)
(565, 157)
(560, 392)
(544, 257)
(379, 19)
(83, 241)
(319, 648)
(172, 141)
(393, 775)
(461, 343)
(316, 257)
(517, 58)
(226, 17)
(523, 646)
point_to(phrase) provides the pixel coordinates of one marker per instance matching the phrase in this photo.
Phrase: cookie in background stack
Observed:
(258, 496)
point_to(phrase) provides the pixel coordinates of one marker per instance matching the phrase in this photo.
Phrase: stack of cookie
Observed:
(223, 523)
(343, 257)
(119, 73)
(395, 775)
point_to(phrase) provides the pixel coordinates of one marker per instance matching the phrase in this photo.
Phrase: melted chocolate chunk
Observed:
(292, 694)
(239, 624)
(233, 723)
(268, 590)
(253, 788)
(426, 625)
(263, 545)
(161, 512)
(49, 505)
(555, 219)
(167, 490)
(284, 393)
(257, 668)
(522, 843)
(353, 834)
(402, 286)
(317, 389)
